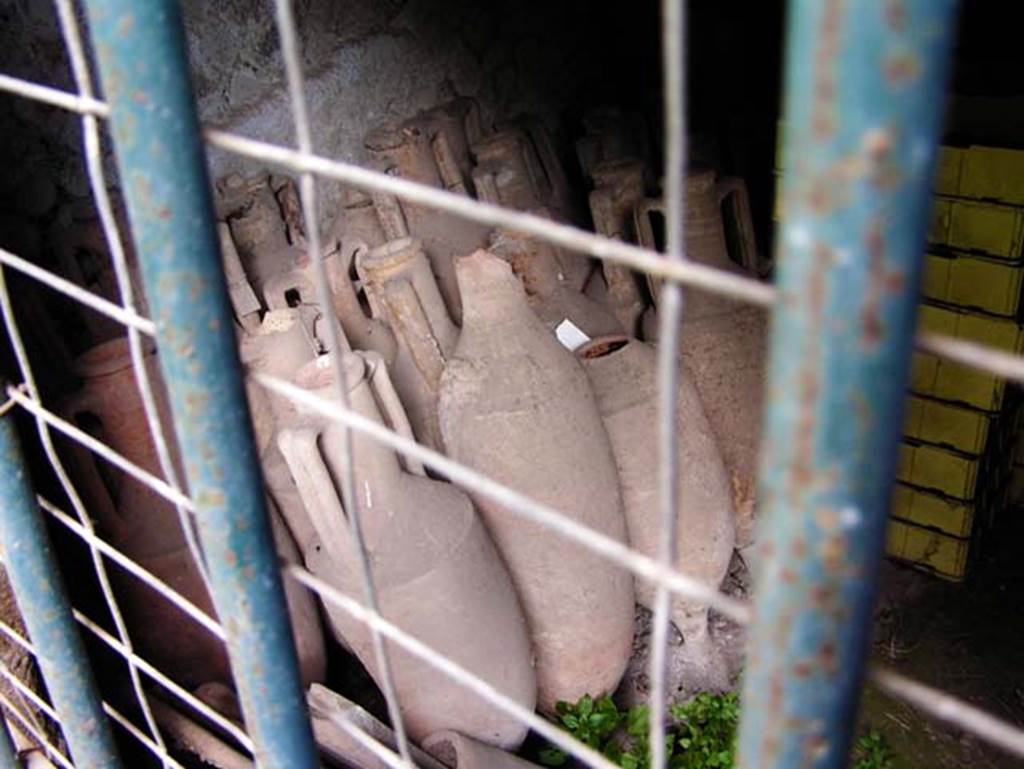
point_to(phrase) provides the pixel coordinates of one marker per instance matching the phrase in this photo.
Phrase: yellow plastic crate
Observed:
(925, 508)
(950, 381)
(937, 469)
(972, 281)
(989, 228)
(939, 553)
(992, 173)
(947, 170)
(946, 424)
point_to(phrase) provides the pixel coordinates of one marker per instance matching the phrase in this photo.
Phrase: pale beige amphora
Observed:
(437, 573)
(623, 376)
(516, 406)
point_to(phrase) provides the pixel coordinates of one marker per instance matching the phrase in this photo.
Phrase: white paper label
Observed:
(570, 336)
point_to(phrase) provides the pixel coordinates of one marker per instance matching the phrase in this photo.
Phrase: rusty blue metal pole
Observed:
(865, 95)
(43, 603)
(141, 52)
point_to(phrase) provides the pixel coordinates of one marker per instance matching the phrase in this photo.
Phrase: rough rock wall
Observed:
(366, 61)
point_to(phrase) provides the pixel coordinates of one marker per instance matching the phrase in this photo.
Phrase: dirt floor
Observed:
(967, 639)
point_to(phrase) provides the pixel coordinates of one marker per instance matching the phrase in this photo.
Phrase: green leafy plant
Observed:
(703, 735)
(872, 752)
(707, 731)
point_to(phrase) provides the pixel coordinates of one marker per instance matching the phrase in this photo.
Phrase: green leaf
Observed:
(553, 757)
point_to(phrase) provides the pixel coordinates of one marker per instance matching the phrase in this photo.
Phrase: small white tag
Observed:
(570, 336)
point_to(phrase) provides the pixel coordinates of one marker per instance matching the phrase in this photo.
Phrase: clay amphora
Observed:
(298, 288)
(447, 126)
(279, 346)
(402, 292)
(724, 343)
(260, 234)
(458, 751)
(516, 406)
(534, 261)
(405, 150)
(145, 526)
(618, 187)
(329, 712)
(509, 172)
(437, 573)
(357, 220)
(622, 374)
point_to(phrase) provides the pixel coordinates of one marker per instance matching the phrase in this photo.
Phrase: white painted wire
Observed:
(15, 637)
(696, 276)
(307, 192)
(518, 504)
(41, 739)
(134, 568)
(79, 435)
(24, 689)
(14, 334)
(945, 707)
(52, 96)
(79, 294)
(670, 311)
(157, 749)
(456, 672)
(98, 183)
(982, 357)
(179, 692)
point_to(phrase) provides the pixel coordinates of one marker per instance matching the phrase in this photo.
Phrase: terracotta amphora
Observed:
(405, 150)
(622, 374)
(509, 172)
(724, 343)
(402, 293)
(516, 406)
(297, 288)
(145, 526)
(437, 573)
(458, 751)
(618, 187)
(535, 262)
(448, 127)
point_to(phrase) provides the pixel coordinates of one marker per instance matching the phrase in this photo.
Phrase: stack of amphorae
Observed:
(526, 363)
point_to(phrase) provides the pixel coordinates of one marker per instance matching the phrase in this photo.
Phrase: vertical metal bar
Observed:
(673, 40)
(864, 99)
(143, 66)
(44, 605)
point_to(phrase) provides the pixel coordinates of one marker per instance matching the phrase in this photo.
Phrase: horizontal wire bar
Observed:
(25, 689)
(452, 669)
(53, 96)
(978, 356)
(952, 710)
(572, 238)
(74, 432)
(79, 294)
(136, 570)
(185, 696)
(548, 517)
(142, 737)
(51, 750)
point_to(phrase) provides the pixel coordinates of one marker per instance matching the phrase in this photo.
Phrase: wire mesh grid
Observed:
(311, 169)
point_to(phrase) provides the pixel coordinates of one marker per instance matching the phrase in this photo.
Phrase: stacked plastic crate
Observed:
(957, 455)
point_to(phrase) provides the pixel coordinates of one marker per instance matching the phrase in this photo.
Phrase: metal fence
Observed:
(861, 134)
